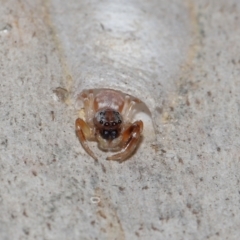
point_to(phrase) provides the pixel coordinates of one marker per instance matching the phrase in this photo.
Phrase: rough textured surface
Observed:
(181, 57)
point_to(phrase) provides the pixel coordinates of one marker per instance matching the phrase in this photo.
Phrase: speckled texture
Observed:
(184, 185)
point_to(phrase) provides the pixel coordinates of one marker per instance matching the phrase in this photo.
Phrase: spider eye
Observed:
(105, 134)
(109, 135)
(119, 121)
(101, 122)
(106, 124)
(114, 123)
(114, 134)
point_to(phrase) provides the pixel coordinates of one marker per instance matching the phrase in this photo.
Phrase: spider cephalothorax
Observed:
(108, 121)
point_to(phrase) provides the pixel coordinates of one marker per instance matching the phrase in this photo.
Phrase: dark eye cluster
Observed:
(116, 117)
(107, 124)
(109, 134)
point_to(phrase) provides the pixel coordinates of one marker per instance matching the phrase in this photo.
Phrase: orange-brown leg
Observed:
(88, 99)
(130, 139)
(128, 104)
(83, 132)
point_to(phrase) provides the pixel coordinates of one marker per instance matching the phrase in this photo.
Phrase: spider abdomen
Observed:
(109, 99)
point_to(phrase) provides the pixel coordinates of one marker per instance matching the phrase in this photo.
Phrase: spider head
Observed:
(108, 123)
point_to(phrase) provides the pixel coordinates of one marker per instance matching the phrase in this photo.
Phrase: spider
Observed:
(108, 115)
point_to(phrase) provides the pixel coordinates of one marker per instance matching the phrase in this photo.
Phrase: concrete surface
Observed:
(181, 58)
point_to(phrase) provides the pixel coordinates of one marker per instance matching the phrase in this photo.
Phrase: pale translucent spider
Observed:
(108, 115)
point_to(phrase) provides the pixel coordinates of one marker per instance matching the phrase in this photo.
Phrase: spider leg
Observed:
(128, 106)
(84, 132)
(130, 139)
(88, 99)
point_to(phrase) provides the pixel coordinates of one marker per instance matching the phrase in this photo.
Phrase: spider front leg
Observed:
(128, 106)
(83, 132)
(130, 139)
(88, 100)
